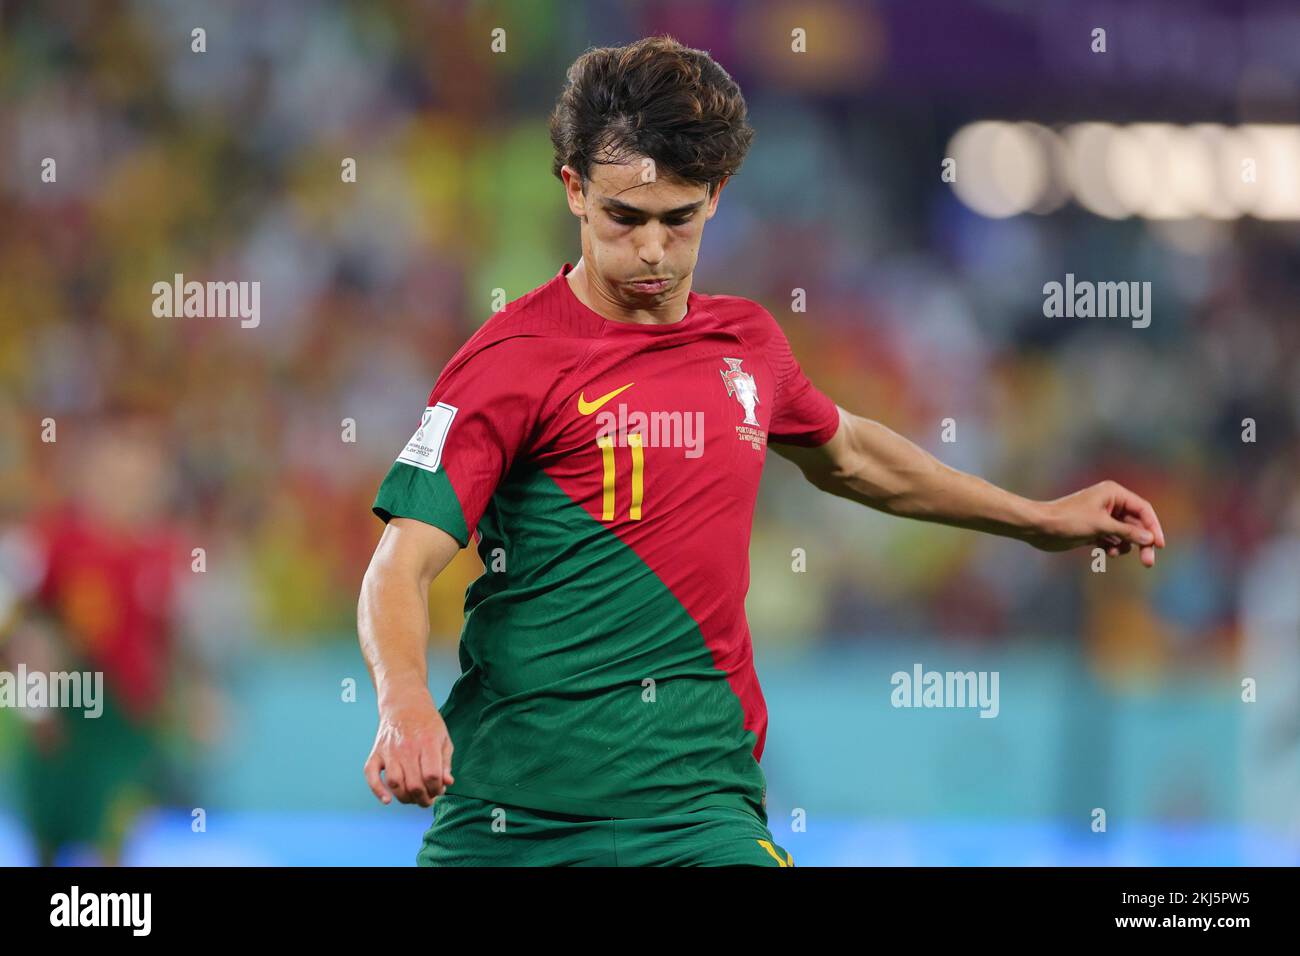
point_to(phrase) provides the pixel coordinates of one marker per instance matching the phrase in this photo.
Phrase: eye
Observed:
(623, 220)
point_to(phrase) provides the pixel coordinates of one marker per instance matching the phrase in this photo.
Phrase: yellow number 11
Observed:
(606, 443)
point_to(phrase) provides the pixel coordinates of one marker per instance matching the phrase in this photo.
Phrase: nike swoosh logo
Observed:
(586, 408)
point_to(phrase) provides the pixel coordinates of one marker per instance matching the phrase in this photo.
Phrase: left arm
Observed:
(870, 464)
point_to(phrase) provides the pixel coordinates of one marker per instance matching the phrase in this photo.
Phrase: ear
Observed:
(573, 191)
(713, 200)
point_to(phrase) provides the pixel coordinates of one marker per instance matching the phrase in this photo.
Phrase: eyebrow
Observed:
(611, 203)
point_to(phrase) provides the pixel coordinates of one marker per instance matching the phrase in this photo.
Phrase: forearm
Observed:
(393, 627)
(887, 472)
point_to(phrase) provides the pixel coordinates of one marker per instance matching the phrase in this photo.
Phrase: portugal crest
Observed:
(741, 384)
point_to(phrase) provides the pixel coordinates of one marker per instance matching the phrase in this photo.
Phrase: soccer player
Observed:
(95, 589)
(601, 439)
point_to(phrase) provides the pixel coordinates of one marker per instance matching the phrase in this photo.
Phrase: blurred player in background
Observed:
(91, 585)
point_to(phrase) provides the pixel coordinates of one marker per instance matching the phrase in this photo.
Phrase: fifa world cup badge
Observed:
(741, 385)
(424, 423)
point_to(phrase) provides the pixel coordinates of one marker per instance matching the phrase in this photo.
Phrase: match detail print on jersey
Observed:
(424, 450)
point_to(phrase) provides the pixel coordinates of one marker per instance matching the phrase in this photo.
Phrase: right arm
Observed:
(412, 747)
(477, 420)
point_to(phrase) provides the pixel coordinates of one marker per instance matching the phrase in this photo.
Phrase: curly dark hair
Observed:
(654, 98)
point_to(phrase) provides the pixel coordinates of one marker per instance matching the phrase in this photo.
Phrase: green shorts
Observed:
(91, 785)
(467, 831)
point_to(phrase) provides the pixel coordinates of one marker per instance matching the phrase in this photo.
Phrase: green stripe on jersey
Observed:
(411, 492)
(587, 687)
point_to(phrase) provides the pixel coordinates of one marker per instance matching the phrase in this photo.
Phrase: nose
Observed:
(651, 249)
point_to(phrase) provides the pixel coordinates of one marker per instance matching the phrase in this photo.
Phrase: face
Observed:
(126, 474)
(637, 225)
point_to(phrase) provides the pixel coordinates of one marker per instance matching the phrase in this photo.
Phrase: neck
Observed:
(605, 301)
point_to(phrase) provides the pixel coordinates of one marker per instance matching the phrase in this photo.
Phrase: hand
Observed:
(1107, 515)
(413, 749)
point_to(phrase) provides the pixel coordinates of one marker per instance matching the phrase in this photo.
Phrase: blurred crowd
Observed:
(227, 165)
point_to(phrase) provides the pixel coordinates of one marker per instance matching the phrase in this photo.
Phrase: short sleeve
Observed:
(477, 420)
(802, 414)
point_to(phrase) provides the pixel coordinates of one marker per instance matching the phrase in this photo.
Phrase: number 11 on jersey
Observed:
(610, 473)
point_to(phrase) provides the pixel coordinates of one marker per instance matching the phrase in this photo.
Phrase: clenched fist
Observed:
(412, 751)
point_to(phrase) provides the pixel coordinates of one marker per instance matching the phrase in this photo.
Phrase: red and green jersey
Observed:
(113, 594)
(608, 471)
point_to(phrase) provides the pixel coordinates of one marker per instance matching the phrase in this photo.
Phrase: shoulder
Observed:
(525, 346)
(746, 318)
(757, 327)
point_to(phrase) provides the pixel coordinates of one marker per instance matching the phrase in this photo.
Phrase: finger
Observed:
(395, 781)
(431, 771)
(1134, 533)
(1116, 548)
(447, 750)
(1152, 521)
(1146, 514)
(372, 768)
(1134, 505)
(1145, 553)
(413, 778)
(1137, 529)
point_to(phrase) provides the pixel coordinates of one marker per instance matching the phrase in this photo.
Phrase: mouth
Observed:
(649, 286)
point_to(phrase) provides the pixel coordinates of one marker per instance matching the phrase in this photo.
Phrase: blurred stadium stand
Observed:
(1120, 691)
